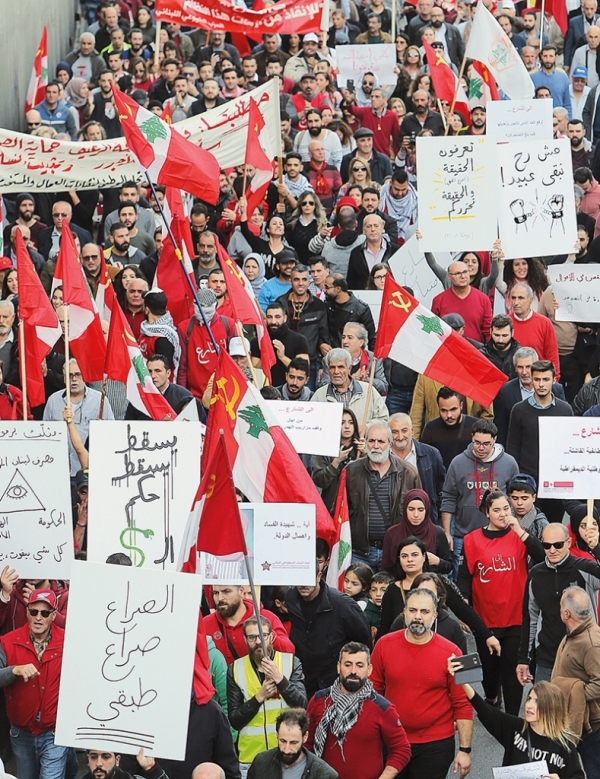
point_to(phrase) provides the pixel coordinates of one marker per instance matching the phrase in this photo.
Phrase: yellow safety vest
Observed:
(260, 734)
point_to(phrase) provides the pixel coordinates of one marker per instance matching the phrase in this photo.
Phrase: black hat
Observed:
(364, 132)
(24, 196)
(81, 478)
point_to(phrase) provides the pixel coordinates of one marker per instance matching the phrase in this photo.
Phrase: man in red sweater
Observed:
(226, 624)
(381, 120)
(30, 666)
(355, 730)
(410, 667)
(461, 298)
(533, 329)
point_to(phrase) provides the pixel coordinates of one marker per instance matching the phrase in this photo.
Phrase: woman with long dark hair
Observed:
(524, 270)
(326, 471)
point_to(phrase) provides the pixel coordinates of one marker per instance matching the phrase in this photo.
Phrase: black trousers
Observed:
(430, 760)
(502, 671)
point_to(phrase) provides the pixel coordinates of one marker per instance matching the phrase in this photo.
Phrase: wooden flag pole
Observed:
(67, 354)
(23, 368)
(104, 383)
(460, 75)
(445, 121)
(157, 44)
(280, 174)
(244, 183)
(363, 427)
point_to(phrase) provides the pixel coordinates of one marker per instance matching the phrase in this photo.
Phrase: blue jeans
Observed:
(589, 750)
(542, 674)
(38, 757)
(373, 559)
(399, 401)
(456, 553)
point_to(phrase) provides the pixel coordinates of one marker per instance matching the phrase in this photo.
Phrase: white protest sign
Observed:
(410, 269)
(372, 297)
(31, 163)
(126, 629)
(143, 480)
(281, 540)
(457, 193)
(536, 208)
(36, 531)
(519, 120)
(569, 457)
(378, 59)
(523, 770)
(313, 428)
(577, 291)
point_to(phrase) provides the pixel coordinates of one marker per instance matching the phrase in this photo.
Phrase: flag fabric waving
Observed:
(414, 336)
(488, 43)
(86, 338)
(214, 524)
(167, 156)
(258, 154)
(445, 81)
(482, 86)
(341, 552)
(124, 363)
(170, 276)
(265, 465)
(39, 75)
(42, 328)
(106, 297)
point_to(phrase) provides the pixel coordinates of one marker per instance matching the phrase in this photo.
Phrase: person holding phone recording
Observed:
(492, 575)
(543, 733)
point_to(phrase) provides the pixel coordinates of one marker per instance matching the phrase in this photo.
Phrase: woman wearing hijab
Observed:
(80, 97)
(416, 521)
(253, 269)
(584, 533)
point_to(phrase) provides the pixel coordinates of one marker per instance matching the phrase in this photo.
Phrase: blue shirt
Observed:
(271, 290)
(558, 84)
(533, 402)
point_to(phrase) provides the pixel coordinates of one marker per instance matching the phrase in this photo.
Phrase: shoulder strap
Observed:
(232, 649)
(226, 326)
(386, 519)
(188, 335)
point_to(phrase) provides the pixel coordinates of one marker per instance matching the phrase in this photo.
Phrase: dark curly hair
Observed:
(536, 275)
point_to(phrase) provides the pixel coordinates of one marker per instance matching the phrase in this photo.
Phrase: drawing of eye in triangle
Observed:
(19, 496)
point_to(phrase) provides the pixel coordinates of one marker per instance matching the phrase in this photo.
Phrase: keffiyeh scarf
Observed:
(164, 328)
(341, 715)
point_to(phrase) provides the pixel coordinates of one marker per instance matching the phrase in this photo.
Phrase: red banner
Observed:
(285, 17)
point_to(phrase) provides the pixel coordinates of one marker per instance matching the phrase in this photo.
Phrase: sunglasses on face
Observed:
(360, 168)
(45, 613)
(308, 203)
(555, 544)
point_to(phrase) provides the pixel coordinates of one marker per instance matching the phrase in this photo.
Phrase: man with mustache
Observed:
(350, 722)
(410, 667)
(105, 765)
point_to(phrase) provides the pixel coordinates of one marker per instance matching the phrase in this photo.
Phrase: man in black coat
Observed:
(375, 249)
(381, 166)
(501, 347)
(370, 205)
(49, 239)
(344, 307)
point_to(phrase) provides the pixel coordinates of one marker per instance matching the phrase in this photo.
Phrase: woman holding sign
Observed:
(542, 735)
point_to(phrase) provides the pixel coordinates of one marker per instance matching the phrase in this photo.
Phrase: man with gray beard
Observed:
(9, 343)
(376, 486)
(410, 668)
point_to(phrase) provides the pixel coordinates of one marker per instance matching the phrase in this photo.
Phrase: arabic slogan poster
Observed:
(378, 58)
(569, 458)
(131, 626)
(577, 291)
(36, 530)
(519, 120)
(457, 193)
(282, 543)
(311, 427)
(143, 480)
(536, 209)
(410, 269)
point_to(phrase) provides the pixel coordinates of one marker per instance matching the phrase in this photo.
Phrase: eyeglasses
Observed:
(64, 216)
(188, 73)
(74, 375)
(413, 54)
(33, 124)
(379, 277)
(45, 613)
(308, 203)
(90, 257)
(254, 639)
(327, 286)
(368, 83)
(360, 168)
(555, 544)
(482, 444)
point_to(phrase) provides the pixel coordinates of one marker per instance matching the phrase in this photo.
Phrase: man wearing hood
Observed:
(198, 359)
(484, 464)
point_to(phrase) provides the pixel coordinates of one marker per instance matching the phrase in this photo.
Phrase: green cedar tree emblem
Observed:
(153, 128)
(431, 324)
(255, 419)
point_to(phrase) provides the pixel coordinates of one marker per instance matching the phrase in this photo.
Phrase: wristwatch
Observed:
(466, 750)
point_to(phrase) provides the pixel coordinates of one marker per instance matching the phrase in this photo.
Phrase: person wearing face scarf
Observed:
(198, 359)
(583, 530)
(416, 521)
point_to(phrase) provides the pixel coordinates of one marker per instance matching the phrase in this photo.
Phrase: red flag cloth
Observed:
(38, 317)
(106, 297)
(292, 16)
(341, 552)
(558, 9)
(165, 154)
(202, 683)
(170, 277)
(445, 81)
(86, 338)
(258, 155)
(414, 336)
(38, 82)
(167, 114)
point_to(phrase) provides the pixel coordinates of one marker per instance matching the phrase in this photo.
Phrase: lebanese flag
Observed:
(265, 465)
(214, 524)
(482, 86)
(165, 154)
(341, 554)
(41, 326)
(170, 274)
(124, 363)
(246, 309)
(258, 154)
(414, 336)
(558, 9)
(106, 297)
(445, 81)
(39, 75)
(86, 338)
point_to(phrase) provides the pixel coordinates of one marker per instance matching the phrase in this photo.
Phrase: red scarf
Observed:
(321, 185)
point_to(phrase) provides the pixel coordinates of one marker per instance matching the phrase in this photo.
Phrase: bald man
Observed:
(328, 177)
(376, 249)
(208, 771)
(461, 298)
(586, 55)
(543, 627)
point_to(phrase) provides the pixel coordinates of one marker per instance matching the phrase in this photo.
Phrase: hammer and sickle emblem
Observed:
(233, 269)
(222, 395)
(212, 484)
(403, 304)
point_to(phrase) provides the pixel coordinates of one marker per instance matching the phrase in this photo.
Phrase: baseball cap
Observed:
(5, 263)
(310, 36)
(47, 596)
(81, 478)
(306, 76)
(579, 71)
(523, 481)
(346, 201)
(478, 105)
(236, 347)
